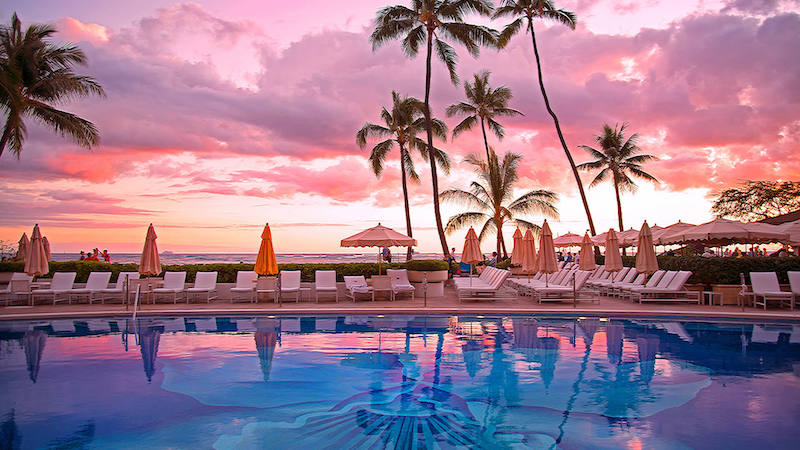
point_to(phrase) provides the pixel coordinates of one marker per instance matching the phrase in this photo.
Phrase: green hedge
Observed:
(722, 270)
(227, 272)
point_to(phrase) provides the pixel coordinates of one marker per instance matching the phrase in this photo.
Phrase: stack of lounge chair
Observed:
(487, 286)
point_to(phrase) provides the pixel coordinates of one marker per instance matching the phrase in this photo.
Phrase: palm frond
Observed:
(463, 220)
(378, 155)
(509, 30)
(448, 56)
(465, 125)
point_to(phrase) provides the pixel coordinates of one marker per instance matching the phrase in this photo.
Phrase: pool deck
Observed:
(449, 304)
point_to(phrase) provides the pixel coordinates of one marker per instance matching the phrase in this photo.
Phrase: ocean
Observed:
(233, 258)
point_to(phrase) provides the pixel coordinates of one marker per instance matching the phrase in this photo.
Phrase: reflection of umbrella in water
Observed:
(647, 347)
(148, 344)
(589, 327)
(525, 337)
(614, 331)
(472, 351)
(265, 345)
(547, 356)
(33, 342)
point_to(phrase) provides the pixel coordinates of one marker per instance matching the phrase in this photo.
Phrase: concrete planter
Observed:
(434, 276)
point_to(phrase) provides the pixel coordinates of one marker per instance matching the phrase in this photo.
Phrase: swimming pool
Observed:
(399, 381)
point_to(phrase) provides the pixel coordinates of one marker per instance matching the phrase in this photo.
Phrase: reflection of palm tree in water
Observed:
(589, 327)
(503, 382)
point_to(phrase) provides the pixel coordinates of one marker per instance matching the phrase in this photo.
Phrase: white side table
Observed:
(708, 297)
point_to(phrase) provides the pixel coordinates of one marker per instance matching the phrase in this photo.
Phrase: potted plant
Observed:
(436, 270)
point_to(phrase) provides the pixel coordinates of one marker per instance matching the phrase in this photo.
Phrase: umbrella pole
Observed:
(546, 282)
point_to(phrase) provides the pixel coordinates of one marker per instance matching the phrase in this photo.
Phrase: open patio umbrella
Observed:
(530, 261)
(472, 250)
(36, 260)
(379, 236)
(720, 232)
(150, 262)
(46, 248)
(22, 250)
(568, 240)
(547, 252)
(613, 260)
(587, 254)
(793, 229)
(628, 237)
(33, 341)
(646, 261)
(675, 227)
(266, 263)
(517, 252)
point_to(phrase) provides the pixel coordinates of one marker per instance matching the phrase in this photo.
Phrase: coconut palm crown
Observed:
(432, 23)
(490, 199)
(619, 159)
(483, 104)
(35, 74)
(524, 12)
(401, 127)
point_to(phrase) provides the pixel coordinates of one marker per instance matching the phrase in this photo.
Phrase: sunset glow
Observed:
(221, 116)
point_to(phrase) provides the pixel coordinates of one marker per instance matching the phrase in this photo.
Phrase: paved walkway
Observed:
(443, 305)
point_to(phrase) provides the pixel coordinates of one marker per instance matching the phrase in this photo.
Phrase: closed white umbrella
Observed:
(517, 252)
(150, 262)
(36, 260)
(547, 252)
(646, 261)
(613, 262)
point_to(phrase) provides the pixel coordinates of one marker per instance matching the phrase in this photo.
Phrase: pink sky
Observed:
(221, 116)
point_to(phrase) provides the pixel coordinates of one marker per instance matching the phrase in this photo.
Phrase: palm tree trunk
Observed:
(429, 131)
(560, 134)
(405, 197)
(503, 243)
(499, 226)
(485, 142)
(619, 208)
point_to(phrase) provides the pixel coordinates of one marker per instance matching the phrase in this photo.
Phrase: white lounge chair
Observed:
(488, 290)
(794, 284)
(325, 283)
(563, 292)
(655, 280)
(204, 283)
(674, 291)
(174, 284)
(289, 284)
(245, 286)
(400, 283)
(357, 285)
(119, 288)
(18, 287)
(766, 288)
(95, 284)
(60, 285)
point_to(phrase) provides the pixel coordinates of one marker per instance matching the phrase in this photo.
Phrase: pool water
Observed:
(399, 381)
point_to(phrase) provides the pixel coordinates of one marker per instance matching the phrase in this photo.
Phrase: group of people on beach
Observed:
(95, 255)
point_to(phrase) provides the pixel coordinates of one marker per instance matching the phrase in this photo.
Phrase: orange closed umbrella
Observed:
(587, 254)
(266, 264)
(613, 257)
(36, 259)
(646, 261)
(518, 252)
(547, 252)
(150, 262)
(529, 260)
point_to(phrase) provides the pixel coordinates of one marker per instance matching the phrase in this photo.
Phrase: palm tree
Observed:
(484, 103)
(525, 11)
(34, 74)
(402, 125)
(617, 157)
(431, 21)
(491, 199)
